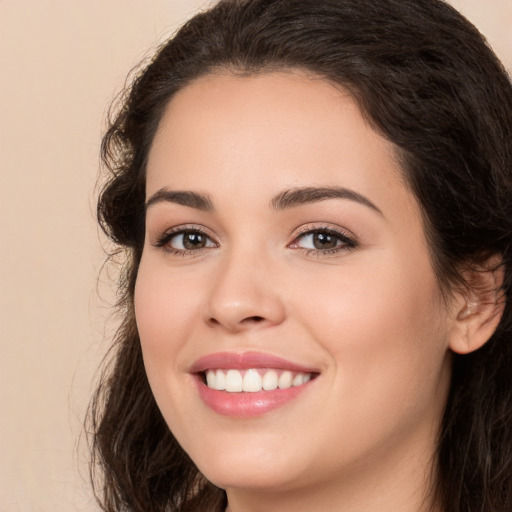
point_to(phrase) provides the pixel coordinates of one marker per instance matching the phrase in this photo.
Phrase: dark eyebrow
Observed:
(299, 196)
(185, 198)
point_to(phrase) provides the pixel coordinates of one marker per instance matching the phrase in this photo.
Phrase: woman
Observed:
(315, 203)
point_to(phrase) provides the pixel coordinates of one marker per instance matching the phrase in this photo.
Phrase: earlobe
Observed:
(480, 307)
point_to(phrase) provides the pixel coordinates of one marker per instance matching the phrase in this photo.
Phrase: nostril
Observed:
(237, 323)
(255, 319)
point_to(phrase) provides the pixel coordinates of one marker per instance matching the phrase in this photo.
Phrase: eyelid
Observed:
(350, 241)
(323, 226)
(166, 236)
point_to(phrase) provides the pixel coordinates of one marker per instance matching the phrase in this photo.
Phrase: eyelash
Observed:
(346, 241)
(163, 242)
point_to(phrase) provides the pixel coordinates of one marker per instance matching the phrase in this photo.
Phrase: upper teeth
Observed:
(253, 380)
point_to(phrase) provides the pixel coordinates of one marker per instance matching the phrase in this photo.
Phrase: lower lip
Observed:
(245, 404)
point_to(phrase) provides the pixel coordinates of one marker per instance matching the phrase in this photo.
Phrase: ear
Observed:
(479, 307)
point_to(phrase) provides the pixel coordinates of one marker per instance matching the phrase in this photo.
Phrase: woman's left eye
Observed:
(323, 240)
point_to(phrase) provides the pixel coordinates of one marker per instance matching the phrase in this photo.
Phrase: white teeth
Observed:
(285, 380)
(298, 380)
(210, 379)
(220, 380)
(254, 380)
(233, 381)
(216, 380)
(270, 380)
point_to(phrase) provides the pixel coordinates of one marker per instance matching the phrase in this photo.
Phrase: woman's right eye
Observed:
(184, 241)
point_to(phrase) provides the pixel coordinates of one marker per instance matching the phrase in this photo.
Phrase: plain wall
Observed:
(61, 62)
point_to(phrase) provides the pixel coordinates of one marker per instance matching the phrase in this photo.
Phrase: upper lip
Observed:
(246, 361)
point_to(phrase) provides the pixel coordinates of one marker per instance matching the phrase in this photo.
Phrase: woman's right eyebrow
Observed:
(184, 197)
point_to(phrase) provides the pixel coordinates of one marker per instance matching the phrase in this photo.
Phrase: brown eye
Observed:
(323, 240)
(190, 241)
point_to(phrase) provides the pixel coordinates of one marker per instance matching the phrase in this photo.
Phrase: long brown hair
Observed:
(426, 80)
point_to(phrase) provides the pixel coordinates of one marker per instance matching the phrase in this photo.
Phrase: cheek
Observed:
(164, 312)
(384, 329)
(386, 340)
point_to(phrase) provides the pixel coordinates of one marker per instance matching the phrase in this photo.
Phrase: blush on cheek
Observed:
(152, 316)
(166, 315)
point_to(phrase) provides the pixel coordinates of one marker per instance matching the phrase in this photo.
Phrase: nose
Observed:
(243, 297)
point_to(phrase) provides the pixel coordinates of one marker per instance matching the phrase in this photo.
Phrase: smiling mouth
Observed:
(254, 380)
(250, 384)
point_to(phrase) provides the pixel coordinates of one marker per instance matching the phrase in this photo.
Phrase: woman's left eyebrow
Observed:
(299, 196)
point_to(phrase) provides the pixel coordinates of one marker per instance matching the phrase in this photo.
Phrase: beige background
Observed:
(61, 63)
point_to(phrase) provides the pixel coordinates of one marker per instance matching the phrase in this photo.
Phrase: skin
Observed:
(370, 317)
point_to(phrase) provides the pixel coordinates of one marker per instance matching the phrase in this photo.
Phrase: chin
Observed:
(254, 477)
(249, 465)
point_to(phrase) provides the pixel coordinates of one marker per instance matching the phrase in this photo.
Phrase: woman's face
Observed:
(283, 250)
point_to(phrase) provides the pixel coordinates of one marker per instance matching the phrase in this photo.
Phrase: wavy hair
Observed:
(426, 80)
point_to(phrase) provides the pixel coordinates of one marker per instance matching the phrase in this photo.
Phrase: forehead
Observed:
(269, 131)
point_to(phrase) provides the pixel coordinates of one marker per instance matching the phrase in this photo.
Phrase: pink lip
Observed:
(245, 361)
(246, 405)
